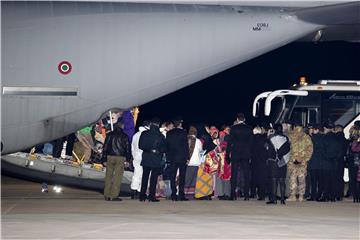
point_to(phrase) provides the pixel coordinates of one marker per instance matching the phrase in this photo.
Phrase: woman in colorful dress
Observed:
(204, 181)
(223, 184)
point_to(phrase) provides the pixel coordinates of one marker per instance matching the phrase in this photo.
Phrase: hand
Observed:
(126, 164)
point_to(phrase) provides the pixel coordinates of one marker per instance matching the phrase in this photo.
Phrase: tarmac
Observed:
(27, 213)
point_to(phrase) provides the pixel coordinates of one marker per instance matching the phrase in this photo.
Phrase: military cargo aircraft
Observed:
(65, 64)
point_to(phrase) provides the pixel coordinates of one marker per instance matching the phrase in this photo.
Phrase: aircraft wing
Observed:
(335, 14)
(341, 21)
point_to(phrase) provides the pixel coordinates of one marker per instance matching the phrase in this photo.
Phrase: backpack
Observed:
(282, 150)
(48, 149)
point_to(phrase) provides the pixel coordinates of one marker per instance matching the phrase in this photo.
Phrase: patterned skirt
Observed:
(204, 183)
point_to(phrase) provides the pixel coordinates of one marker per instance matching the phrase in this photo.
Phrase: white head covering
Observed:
(257, 130)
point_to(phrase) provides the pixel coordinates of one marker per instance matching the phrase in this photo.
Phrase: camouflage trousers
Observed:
(297, 176)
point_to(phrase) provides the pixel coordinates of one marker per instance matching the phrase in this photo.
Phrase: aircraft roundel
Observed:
(64, 67)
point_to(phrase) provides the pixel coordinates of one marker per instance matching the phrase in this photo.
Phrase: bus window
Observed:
(340, 108)
(277, 110)
(313, 116)
(313, 100)
(289, 105)
(299, 115)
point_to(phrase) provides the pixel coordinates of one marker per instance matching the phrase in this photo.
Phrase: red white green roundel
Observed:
(64, 67)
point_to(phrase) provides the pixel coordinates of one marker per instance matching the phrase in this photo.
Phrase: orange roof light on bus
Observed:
(303, 81)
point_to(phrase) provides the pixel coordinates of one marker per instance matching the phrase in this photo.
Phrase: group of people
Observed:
(85, 146)
(205, 162)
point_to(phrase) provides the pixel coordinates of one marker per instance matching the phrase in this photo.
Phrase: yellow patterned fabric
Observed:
(135, 112)
(204, 183)
(211, 162)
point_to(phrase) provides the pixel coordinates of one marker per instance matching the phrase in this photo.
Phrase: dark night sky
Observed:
(217, 99)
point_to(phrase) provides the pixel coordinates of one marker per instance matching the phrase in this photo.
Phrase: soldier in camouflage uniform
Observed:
(300, 153)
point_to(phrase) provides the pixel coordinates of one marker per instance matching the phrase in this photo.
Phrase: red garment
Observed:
(215, 162)
(222, 134)
(211, 162)
(224, 169)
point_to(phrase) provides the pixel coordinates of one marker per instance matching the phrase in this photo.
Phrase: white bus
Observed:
(337, 101)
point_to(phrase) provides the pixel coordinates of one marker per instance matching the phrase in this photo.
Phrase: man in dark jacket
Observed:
(315, 164)
(239, 153)
(116, 150)
(177, 153)
(204, 136)
(152, 142)
(258, 161)
(340, 164)
(332, 152)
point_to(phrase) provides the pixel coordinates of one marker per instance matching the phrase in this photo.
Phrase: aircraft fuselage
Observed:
(66, 63)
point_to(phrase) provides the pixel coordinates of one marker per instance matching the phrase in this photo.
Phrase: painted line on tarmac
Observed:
(95, 231)
(10, 209)
(15, 204)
